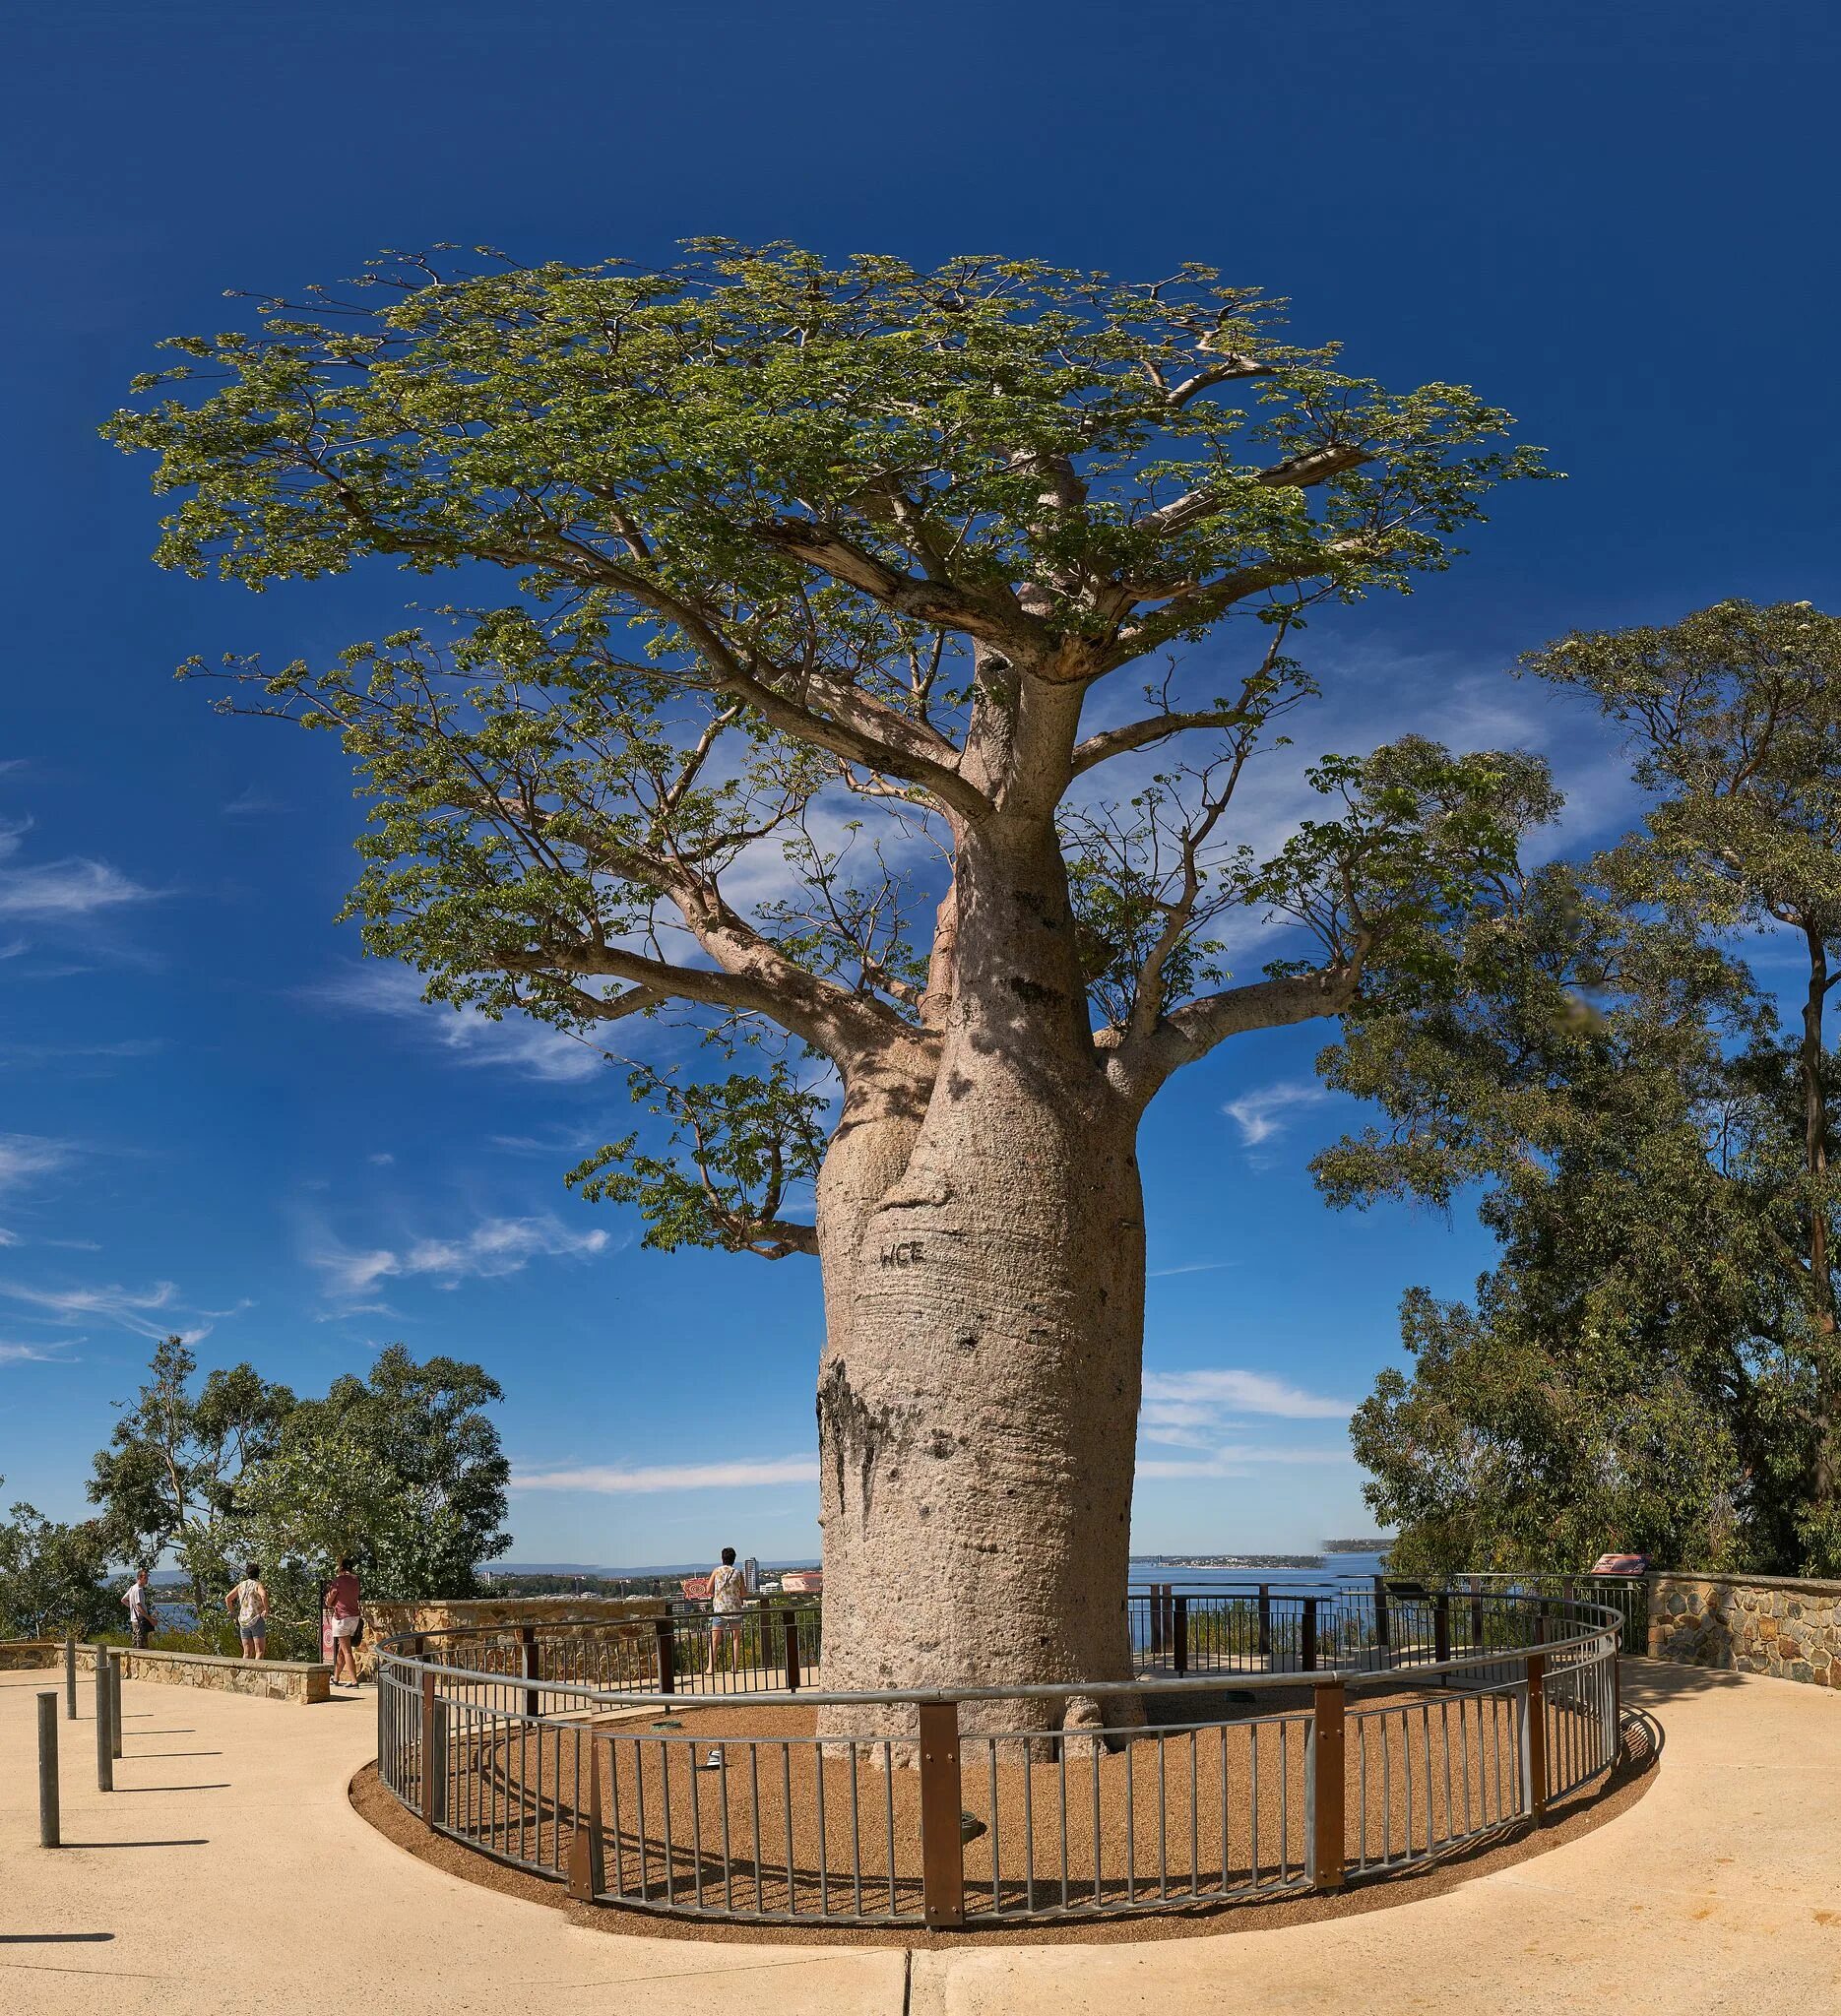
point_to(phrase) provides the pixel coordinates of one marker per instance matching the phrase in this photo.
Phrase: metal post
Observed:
(1441, 1625)
(104, 1726)
(49, 1836)
(942, 1847)
(1476, 1612)
(1181, 1633)
(1534, 1731)
(69, 1676)
(793, 1651)
(587, 1875)
(1328, 1774)
(1308, 1643)
(1383, 1630)
(526, 1637)
(1265, 1620)
(668, 1655)
(114, 1704)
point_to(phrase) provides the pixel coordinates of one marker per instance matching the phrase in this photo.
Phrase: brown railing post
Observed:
(426, 1748)
(668, 1655)
(1157, 1619)
(942, 1847)
(1265, 1620)
(1534, 1756)
(526, 1637)
(1181, 1633)
(793, 1651)
(1441, 1625)
(1383, 1629)
(1327, 1779)
(588, 1873)
(1308, 1641)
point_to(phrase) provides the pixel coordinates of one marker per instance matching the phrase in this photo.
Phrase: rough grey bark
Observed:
(983, 1270)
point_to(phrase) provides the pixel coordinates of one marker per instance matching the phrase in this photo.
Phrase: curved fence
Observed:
(672, 1765)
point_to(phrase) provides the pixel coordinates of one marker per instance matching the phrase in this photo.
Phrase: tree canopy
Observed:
(1653, 1363)
(753, 555)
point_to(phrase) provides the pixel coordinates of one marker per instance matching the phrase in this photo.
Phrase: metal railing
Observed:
(671, 1765)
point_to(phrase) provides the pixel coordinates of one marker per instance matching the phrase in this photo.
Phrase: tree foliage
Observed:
(1653, 1363)
(750, 553)
(401, 1470)
(51, 1577)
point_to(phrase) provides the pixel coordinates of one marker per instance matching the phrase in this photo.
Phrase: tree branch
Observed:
(1144, 1059)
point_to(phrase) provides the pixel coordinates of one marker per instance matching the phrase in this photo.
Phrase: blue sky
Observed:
(215, 1119)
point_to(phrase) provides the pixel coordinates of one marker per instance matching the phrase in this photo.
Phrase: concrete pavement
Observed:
(230, 1873)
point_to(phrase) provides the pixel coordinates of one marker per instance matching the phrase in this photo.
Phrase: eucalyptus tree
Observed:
(887, 575)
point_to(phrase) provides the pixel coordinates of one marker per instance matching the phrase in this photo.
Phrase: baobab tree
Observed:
(886, 574)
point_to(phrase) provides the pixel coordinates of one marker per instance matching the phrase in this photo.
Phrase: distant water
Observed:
(1333, 1568)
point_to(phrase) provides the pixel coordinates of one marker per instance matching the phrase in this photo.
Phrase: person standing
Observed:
(139, 1611)
(729, 1592)
(250, 1601)
(344, 1601)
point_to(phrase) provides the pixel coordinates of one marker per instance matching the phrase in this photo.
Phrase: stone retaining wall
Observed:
(1755, 1624)
(268, 1679)
(27, 1655)
(500, 1615)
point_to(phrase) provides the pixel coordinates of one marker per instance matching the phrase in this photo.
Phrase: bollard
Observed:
(1328, 1775)
(104, 1726)
(943, 1842)
(114, 1704)
(49, 1836)
(70, 1676)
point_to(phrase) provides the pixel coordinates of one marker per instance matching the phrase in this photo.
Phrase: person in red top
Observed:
(344, 1604)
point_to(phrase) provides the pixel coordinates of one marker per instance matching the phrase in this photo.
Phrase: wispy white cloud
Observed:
(515, 1044)
(130, 1309)
(247, 802)
(673, 1476)
(1237, 1460)
(15, 1352)
(381, 1161)
(492, 1247)
(1197, 1410)
(23, 1157)
(1194, 1267)
(1243, 1390)
(1261, 1114)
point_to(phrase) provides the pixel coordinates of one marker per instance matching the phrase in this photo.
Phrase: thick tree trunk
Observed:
(977, 1397)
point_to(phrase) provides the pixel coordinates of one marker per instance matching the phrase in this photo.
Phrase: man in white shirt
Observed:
(728, 1593)
(139, 1611)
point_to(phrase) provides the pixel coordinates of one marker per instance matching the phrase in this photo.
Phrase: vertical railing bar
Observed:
(1093, 1747)
(754, 1812)
(645, 1832)
(1061, 1777)
(696, 1831)
(1028, 1832)
(856, 1835)
(996, 1853)
(729, 1869)
(817, 1754)
(1132, 1837)
(785, 1793)
(1196, 1816)
(665, 1818)
(888, 1812)
(613, 1801)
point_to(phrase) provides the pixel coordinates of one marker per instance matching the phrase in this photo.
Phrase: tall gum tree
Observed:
(853, 567)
